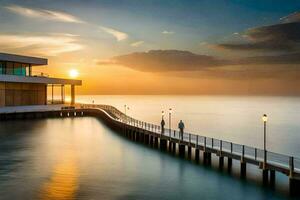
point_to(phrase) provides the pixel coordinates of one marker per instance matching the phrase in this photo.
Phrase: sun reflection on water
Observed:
(63, 183)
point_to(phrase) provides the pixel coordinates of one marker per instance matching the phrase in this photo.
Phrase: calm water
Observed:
(81, 158)
(232, 118)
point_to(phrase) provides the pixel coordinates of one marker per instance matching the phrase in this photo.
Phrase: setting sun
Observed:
(73, 73)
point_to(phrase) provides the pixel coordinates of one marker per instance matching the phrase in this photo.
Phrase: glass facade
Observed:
(12, 68)
(2, 67)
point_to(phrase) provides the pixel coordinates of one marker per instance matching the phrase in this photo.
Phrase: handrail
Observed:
(244, 151)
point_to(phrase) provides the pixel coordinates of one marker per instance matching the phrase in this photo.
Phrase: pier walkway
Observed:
(171, 140)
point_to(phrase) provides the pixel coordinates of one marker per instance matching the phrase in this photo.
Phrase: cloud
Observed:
(137, 44)
(61, 17)
(115, 33)
(166, 60)
(290, 59)
(167, 32)
(44, 14)
(281, 37)
(48, 45)
(187, 64)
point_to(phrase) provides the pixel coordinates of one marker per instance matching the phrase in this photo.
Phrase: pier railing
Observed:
(243, 151)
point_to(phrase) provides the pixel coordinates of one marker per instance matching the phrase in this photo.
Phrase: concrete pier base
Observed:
(182, 150)
(243, 169)
(197, 155)
(163, 144)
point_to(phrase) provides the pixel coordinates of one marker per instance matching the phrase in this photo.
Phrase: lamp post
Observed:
(170, 113)
(162, 115)
(265, 119)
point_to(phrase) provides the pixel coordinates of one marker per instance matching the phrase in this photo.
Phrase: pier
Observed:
(171, 141)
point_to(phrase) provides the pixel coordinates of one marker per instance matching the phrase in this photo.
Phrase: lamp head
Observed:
(265, 118)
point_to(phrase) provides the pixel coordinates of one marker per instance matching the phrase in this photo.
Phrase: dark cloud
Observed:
(281, 59)
(282, 37)
(167, 60)
(187, 64)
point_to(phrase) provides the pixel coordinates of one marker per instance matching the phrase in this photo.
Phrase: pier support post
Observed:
(189, 152)
(174, 147)
(243, 169)
(182, 150)
(147, 139)
(294, 186)
(163, 144)
(207, 158)
(151, 140)
(136, 136)
(221, 162)
(141, 136)
(265, 176)
(229, 164)
(197, 155)
(72, 94)
(155, 142)
(132, 134)
(170, 146)
(144, 138)
(272, 178)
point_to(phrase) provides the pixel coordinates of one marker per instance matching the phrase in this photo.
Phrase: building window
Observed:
(2, 67)
(19, 69)
(10, 68)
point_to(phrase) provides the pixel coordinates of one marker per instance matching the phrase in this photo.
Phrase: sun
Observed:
(73, 73)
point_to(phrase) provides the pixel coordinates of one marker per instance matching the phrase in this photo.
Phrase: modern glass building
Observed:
(20, 87)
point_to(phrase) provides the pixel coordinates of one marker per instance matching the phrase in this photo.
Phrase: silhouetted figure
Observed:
(181, 127)
(162, 123)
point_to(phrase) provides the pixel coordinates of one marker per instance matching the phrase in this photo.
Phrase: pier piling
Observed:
(243, 169)
(155, 142)
(265, 176)
(163, 144)
(221, 162)
(182, 150)
(197, 155)
(272, 178)
(189, 152)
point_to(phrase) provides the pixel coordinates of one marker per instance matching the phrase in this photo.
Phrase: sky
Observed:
(231, 47)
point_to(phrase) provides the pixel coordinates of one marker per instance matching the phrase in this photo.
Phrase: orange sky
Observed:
(124, 51)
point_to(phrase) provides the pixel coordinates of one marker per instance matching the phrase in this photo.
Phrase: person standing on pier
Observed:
(181, 127)
(162, 123)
